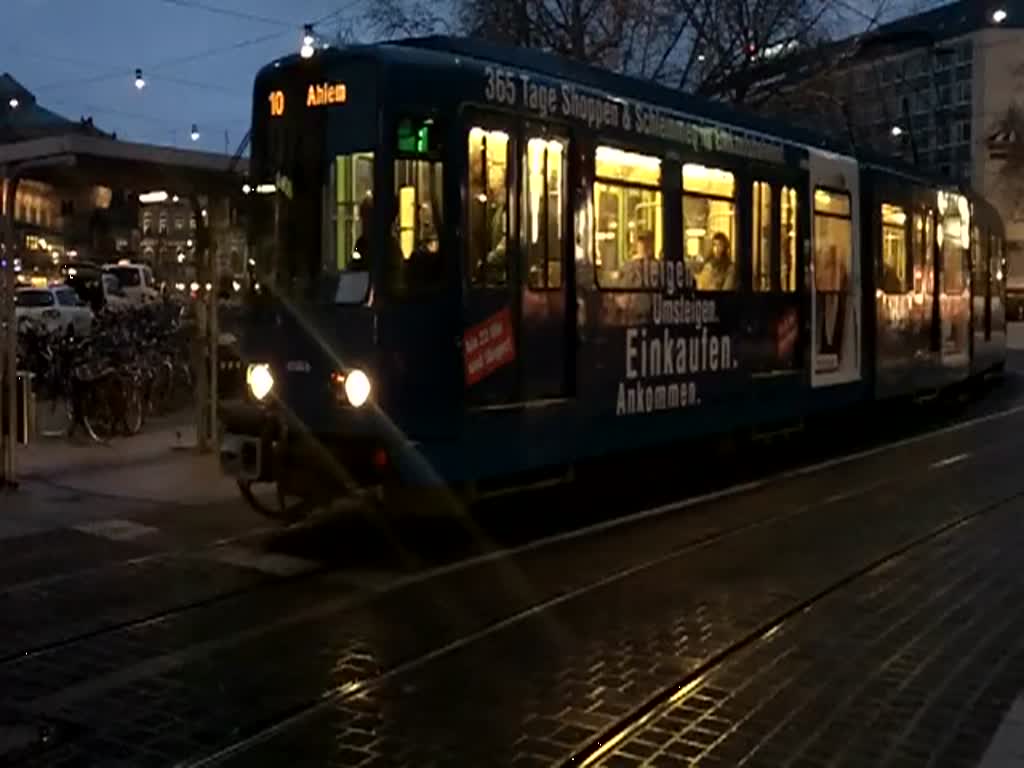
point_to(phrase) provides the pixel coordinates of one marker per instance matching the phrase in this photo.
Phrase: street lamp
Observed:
(307, 50)
(13, 103)
(896, 131)
(140, 81)
(195, 132)
(999, 15)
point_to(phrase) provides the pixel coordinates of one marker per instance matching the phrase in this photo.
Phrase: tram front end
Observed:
(309, 428)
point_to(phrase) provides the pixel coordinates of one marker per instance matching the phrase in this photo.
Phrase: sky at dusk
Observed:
(79, 58)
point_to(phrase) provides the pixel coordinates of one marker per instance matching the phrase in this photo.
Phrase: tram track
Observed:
(362, 598)
(301, 713)
(594, 750)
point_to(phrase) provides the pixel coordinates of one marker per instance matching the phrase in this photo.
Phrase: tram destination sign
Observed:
(525, 91)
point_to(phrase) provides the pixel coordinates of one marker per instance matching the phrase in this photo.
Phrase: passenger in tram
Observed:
(643, 251)
(361, 258)
(719, 271)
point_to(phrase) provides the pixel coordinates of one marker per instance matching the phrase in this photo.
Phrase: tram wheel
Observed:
(286, 509)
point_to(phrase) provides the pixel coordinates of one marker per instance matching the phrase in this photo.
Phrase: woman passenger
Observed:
(719, 272)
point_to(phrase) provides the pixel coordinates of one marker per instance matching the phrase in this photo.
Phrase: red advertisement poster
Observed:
(488, 346)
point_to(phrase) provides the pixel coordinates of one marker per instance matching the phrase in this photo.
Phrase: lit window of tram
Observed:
(489, 215)
(628, 213)
(543, 211)
(709, 226)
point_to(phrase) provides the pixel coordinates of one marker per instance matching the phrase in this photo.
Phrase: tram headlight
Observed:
(259, 379)
(357, 387)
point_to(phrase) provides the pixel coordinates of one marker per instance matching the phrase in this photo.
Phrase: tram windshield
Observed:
(310, 214)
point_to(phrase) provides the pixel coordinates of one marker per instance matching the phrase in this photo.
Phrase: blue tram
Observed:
(476, 265)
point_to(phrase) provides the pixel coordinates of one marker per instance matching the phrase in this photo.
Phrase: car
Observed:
(56, 308)
(100, 289)
(136, 279)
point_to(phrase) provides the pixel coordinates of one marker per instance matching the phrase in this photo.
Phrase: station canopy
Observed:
(95, 160)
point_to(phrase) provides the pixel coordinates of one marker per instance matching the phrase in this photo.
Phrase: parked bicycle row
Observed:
(133, 364)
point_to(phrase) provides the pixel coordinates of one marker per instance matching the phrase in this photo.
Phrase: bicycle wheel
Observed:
(98, 416)
(134, 408)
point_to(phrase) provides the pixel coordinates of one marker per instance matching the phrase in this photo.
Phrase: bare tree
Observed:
(408, 18)
(694, 45)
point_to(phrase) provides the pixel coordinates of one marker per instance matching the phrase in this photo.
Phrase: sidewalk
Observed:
(161, 465)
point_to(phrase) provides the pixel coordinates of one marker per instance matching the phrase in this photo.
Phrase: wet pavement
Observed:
(863, 612)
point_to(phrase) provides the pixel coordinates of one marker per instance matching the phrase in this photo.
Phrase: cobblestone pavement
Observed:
(529, 658)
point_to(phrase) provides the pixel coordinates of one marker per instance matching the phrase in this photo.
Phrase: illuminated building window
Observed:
(544, 211)
(489, 216)
(709, 227)
(627, 217)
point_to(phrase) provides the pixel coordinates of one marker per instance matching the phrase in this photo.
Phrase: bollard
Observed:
(24, 409)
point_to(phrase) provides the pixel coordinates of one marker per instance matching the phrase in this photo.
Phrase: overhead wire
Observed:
(229, 12)
(156, 72)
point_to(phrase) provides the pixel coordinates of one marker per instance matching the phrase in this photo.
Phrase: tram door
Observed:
(515, 288)
(835, 272)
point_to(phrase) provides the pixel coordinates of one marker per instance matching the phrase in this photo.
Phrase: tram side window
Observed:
(787, 239)
(893, 278)
(762, 236)
(833, 239)
(709, 226)
(415, 263)
(352, 181)
(543, 212)
(628, 213)
(979, 265)
(996, 266)
(489, 211)
(952, 254)
(924, 244)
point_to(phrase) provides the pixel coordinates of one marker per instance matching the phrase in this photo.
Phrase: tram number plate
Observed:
(488, 346)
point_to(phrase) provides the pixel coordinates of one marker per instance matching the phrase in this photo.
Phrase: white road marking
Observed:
(116, 530)
(949, 460)
(1006, 750)
(257, 560)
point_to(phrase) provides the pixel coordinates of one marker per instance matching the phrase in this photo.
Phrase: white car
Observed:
(56, 308)
(136, 279)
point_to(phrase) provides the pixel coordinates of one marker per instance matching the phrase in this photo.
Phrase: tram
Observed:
(477, 265)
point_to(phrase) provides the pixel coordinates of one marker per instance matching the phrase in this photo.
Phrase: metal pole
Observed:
(222, 229)
(9, 376)
(201, 342)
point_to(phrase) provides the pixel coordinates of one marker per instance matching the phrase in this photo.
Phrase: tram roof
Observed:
(413, 50)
